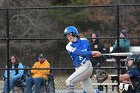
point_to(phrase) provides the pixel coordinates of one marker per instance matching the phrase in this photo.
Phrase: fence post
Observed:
(7, 40)
(118, 47)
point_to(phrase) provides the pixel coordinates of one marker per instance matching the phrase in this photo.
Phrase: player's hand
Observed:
(96, 54)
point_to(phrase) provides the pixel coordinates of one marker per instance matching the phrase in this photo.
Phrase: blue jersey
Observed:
(134, 72)
(79, 51)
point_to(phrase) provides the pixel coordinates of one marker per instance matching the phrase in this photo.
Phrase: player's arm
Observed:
(124, 77)
(129, 74)
(76, 51)
(84, 53)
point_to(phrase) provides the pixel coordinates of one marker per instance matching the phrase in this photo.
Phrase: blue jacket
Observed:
(13, 72)
(79, 51)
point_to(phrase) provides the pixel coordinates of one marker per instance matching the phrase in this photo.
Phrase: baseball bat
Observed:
(119, 54)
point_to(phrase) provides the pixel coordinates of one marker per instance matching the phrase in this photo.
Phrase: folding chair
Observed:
(50, 85)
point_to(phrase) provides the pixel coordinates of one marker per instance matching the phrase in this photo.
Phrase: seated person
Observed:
(130, 81)
(131, 77)
(124, 43)
(97, 45)
(14, 74)
(38, 76)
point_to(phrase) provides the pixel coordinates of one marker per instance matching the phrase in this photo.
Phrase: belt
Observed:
(78, 65)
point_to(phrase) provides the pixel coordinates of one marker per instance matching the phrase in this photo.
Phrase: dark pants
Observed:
(116, 50)
(12, 82)
(34, 81)
(95, 70)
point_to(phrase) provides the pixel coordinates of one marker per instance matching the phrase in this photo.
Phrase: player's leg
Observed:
(87, 85)
(83, 72)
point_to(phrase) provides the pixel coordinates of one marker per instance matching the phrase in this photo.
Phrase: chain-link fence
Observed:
(27, 32)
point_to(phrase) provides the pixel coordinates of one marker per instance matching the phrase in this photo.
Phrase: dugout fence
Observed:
(28, 32)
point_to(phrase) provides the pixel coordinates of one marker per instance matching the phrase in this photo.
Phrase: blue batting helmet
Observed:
(71, 29)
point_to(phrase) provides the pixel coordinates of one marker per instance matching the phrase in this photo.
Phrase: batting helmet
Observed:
(71, 29)
(135, 58)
